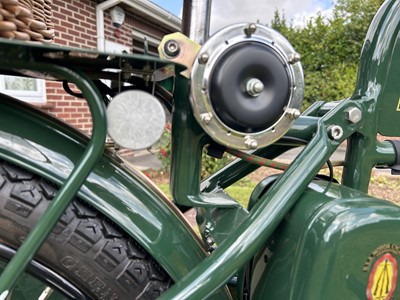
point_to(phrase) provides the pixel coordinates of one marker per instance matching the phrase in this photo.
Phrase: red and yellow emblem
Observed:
(382, 280)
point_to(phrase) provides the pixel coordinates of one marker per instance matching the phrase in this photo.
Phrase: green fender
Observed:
(334, 244)
(50, 148)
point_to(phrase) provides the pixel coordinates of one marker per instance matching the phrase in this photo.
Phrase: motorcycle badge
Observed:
(382, 279)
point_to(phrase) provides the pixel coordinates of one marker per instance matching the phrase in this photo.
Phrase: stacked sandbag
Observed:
(27, 20)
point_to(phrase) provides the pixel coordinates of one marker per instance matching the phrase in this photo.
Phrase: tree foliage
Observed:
(330, 47)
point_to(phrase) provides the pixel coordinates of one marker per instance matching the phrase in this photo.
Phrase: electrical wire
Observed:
(265, 162)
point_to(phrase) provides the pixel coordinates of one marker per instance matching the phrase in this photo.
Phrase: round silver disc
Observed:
(136, 119)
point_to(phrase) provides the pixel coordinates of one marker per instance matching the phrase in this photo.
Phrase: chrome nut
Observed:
(353, 115)
(335, 132)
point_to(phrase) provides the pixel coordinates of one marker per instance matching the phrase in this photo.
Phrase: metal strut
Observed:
(42, 229)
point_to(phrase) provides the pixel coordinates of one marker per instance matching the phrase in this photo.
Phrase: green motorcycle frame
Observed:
(300, 238)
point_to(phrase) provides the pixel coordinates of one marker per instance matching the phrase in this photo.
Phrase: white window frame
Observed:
(37, 96)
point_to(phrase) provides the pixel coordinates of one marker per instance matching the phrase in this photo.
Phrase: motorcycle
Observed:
(77, 222)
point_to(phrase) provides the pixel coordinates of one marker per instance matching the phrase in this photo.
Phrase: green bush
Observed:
(330, 48)
(209, 164)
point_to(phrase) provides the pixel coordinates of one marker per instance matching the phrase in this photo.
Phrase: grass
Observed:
(240, 191)
(381, 186)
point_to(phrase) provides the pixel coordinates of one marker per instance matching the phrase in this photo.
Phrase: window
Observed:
(23, 88)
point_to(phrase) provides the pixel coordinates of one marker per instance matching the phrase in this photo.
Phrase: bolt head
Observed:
(254, 87)
(294, 113)
(250, 29)
(294, 58)
(206, 118)
(251, 144)
(210, 241)
(203, 58)
(172, 48)
(353, 115)
(335, 132)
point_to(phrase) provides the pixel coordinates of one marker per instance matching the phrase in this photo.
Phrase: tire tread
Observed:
(88, 248)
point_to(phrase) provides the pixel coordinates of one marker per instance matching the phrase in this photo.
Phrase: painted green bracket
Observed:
(188, 140)
(66, 193)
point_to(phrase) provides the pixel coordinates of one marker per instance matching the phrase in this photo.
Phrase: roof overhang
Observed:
(146, 9)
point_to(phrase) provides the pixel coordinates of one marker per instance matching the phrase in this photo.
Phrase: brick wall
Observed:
(75, 26)
(75, 23)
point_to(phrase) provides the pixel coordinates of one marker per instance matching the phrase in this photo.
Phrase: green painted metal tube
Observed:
(64, 196)
(364, 153)
(252, 234)
(377, 87)
(378, 74)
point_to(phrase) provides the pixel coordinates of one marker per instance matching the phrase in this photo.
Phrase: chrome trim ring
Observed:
(206, 60)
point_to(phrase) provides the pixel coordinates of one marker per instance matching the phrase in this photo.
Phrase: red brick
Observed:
(57, 110)
(60, 41)
(79, 5)
(70, 109)
(52, 84)
(86, 36)
(66, 12)
(50, 91)
(72, 44)
(64, 25)
(70, 98)
(76, 115)
(92, 44)
(90, 32)
(73, 32)
(63, 116)
(80, 28)
(73, 7)
(58, 16)
(59, 3)
(64, 103)
(67, 37)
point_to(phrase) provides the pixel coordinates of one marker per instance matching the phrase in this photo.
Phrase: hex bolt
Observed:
(172, 48)
(210, 241)
(254, 87)
(335, 132)
(206, 118)
(250, 29)
(251, 144)
(293, 113)
(353, 115)
(203, 58)
(294, 58)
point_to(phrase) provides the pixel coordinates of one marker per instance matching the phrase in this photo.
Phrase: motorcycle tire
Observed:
(85, 249)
